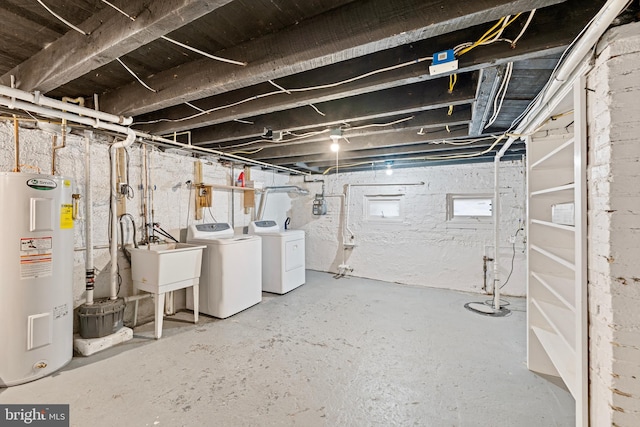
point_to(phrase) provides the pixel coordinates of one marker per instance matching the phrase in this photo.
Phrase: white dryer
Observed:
(231, 279)
(283, 263)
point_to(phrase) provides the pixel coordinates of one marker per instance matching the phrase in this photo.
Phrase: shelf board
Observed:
(554, 225)
(552, 283)
(547, 161)
(559, 255)
(561, 357)
(554, 190)
(562, 321)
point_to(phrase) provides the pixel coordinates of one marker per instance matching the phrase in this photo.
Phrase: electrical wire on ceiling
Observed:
(443, 157)
(136, 77)
(177, 43)
(298, 137)
(486, 39)
(317, 110)
(490, 36)
(69, 24)
(502, 91)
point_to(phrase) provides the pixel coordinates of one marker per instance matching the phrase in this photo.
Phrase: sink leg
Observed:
(135, 306)
(159, 314)
(135, 313)
(196, 302)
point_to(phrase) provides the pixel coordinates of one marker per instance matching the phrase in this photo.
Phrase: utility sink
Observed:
(164, 268)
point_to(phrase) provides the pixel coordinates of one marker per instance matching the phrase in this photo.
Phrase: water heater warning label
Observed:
(66, 216)
(36, 257)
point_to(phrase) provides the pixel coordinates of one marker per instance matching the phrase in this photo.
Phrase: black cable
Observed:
(163, 232)
(513, 256)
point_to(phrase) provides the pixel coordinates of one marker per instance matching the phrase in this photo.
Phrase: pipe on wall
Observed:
(131, 137)
(88, 225)
(38, 99)
(98, 124)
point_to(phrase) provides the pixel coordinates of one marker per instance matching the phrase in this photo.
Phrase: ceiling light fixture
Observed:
(389, 171)
(335, 134)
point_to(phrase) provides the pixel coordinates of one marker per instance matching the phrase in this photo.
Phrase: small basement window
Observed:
(469, 207)
(383, 208)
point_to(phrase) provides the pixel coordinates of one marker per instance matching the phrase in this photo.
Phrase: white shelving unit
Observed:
(556, 272)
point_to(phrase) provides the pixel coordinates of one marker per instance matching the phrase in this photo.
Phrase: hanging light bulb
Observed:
(335, 136)
(389, 171)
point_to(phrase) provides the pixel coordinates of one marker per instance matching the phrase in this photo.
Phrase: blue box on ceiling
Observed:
(442, 57)
(443, 62)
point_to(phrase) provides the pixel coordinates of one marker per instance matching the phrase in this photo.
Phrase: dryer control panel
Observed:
(213, 227)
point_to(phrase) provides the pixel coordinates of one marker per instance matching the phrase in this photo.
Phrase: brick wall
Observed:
(424, 248)
(173, 200)
(614, 229)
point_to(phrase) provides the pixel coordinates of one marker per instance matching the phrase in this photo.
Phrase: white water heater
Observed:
(36, 276)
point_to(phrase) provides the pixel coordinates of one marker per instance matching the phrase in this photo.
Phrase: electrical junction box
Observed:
(443, 62)
(319, 205)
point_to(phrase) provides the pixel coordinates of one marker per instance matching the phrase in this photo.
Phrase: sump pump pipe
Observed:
(131, 137)
(281, 189)
(575, 65)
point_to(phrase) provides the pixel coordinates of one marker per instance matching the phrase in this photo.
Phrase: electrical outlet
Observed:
(512, 239)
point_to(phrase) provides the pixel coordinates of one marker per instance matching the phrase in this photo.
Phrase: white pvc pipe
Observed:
(88, 225)
(98, 124)
(38, 99)
(496, 227)
(573, 65)
(131, 137)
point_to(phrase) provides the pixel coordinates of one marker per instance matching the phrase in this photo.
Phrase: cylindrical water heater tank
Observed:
(36, 283)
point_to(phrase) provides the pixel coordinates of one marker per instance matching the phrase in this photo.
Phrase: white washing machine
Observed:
(231, 278)
(283, 264)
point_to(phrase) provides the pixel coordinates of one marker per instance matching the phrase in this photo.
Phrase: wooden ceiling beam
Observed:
(403, 154)
(111, 36)
(384, 142)
(549, 33)
(356, 29)
(375, 136)
(379, 105)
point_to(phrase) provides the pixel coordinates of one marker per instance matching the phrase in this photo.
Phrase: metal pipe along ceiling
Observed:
(85, 116)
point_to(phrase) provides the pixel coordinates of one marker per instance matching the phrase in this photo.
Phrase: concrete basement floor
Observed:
(346, 352)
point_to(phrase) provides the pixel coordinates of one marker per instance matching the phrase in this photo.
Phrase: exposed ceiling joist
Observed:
(387, 140)
(356, 29)
(550, 35)
(379, 105)
(111, 35)
(431, 158)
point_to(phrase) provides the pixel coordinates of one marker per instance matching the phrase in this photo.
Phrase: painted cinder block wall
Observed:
(613, 103)
(424, 248)
(173, 199)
